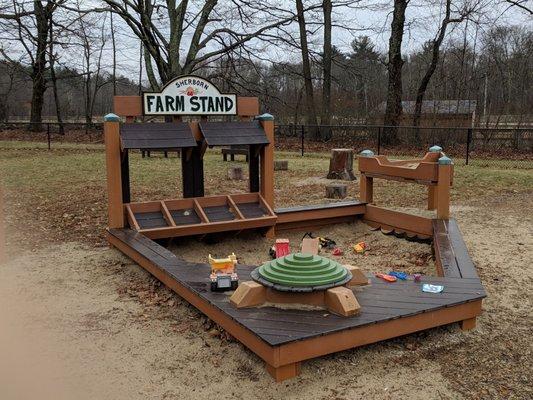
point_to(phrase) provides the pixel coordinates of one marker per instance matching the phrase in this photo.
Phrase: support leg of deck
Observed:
(284, 371)
(468, 324)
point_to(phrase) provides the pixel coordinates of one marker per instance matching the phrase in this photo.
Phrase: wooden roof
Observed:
(156, 136)
(233, 133)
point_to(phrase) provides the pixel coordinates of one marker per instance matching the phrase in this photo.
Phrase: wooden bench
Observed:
(233, 150)
(451, 253)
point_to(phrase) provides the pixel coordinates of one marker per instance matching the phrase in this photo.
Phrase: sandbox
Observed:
(283, 337)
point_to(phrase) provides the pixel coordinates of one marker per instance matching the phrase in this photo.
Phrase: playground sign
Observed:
(189, 95)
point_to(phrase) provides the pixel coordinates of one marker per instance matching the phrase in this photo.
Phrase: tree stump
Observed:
(235, 173)
(336, 191)
(341, 165)
(281, 165)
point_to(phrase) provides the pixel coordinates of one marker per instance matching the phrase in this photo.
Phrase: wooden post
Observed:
(366, 184)
(253, 168)
(283, 372)
(433, 156)
(443, 188)
(115, 207)
(366, 189)
(3, 247)
(267, 160)
(432, 197)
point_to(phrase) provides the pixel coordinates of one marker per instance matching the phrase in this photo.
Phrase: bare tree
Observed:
(326, 67)
(393, 110)
(206, 30)
(311, 117)
(435, 53)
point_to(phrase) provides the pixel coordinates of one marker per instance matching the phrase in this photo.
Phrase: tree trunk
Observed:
(311, 118)
(341, 165)
(326, 70)
(431, 68)
(235, 173)
(54, 80)
(39, 66)
(336, 191)
(114, 55)
(393, 111)
(281, 165)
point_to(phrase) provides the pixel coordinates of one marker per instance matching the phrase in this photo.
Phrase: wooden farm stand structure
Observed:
(283, 338)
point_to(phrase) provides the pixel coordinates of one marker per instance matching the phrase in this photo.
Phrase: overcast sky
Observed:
(368, 17)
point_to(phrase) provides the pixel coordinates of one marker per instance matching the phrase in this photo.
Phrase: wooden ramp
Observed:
(284, 338)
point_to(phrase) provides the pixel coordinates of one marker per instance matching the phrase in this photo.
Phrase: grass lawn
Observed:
(59, 195)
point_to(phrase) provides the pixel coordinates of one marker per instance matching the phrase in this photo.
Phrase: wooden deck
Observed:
(284, 338)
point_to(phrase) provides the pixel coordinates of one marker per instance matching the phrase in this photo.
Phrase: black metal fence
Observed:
(497, 147)
(494, 147)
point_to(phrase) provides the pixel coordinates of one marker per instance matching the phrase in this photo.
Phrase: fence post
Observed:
(303, 136)
(468, 140)
(379, 140)
(48, 135)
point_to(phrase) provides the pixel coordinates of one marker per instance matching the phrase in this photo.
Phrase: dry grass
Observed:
(60, 194)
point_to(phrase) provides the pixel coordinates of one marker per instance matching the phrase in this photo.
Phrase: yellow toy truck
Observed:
(223, 275)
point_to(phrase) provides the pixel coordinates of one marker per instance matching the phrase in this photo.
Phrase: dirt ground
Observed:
(80, 320)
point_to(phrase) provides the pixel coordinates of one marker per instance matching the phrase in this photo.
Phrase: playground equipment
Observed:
(223, 275)
(303, 279)
(282, 337)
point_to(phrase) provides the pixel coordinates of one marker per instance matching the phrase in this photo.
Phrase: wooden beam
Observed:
(399, 220)
(349, 338)
(132, 106)
(234, 207)
(114, 179)
(127, 106)
(316, 214)
(247, 107)
(167, 215)
(211, 227)
(200, 211)
(131, 218)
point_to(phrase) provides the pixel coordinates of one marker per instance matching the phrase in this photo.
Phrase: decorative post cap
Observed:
(366, 153)
(445, 160)
(435, 149)
(265, 117)
(111, 118)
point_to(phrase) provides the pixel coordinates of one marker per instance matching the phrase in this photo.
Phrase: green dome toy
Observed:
(301, 273)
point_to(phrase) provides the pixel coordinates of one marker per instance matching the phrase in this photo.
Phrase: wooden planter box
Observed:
(201, 215)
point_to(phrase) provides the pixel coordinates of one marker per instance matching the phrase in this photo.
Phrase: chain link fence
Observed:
(492, 147)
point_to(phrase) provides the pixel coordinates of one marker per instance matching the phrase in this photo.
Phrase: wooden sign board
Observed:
(189, 95)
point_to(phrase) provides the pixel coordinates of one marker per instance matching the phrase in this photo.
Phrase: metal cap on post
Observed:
(367, 153)
(444, 160)
(435, 149)
(264, 117)
(111, 118)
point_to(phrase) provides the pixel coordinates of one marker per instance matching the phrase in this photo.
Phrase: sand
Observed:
(87, 323)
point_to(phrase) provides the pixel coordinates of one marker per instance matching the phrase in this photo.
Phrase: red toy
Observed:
(282, 247)
(337, 252)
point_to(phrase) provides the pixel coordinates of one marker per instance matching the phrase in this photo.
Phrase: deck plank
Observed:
(380, 301)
